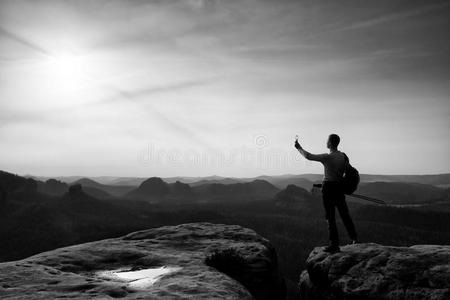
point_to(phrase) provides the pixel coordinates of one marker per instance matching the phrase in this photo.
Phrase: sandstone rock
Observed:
(74, 272)
(371, 271)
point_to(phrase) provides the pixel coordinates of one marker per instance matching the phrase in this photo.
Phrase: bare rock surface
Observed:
(372, 271)
(76, 272)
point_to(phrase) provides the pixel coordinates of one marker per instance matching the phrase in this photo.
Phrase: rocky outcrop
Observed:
(371, 271)
(156, 190)
(152, 187)
(195, 253)
(294, 197)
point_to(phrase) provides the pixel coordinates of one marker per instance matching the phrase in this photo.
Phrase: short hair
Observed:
(334, 140)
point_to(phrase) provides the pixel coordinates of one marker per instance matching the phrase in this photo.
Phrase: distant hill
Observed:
(157, 190)
(53, 187)
(306, 180)
(18, 188)
(394, 193)
(87, 182)
(294, 197)
(56, 187)
(246, 191)
(181, 189)
(127, 181)
(114, 190)
(136, 181)
(300, 181)
(395, 189)
(152, 187)
(436, 179)
(65, 179)
(220, 181)
(281, 181)
(191, 179)
(10, 183)
(402, 192)
(77, 199)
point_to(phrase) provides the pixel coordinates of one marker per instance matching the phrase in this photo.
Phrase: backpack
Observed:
(350, 179)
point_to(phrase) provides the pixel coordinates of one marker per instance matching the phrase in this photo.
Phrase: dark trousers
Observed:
(333, 196)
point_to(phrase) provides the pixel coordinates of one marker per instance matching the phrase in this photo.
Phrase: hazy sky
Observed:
(191, 87)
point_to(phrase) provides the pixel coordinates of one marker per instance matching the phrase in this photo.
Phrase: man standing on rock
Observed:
(333, 195)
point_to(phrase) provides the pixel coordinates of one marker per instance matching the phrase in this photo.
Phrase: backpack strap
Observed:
(347, 161)
(346, 158)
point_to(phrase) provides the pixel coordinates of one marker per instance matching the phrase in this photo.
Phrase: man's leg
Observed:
(328, 204)
(346, 218)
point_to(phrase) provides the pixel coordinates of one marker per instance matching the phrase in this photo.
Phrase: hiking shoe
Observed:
(332, 249)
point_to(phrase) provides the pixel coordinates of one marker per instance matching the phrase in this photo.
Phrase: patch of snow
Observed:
(139, 279)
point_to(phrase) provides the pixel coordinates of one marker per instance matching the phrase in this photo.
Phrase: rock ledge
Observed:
(372, 271)
(71, 272)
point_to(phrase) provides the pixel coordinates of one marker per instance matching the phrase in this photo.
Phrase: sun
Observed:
(67, 72)
(71, 78)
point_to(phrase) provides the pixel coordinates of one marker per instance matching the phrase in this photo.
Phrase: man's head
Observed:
(333, 141)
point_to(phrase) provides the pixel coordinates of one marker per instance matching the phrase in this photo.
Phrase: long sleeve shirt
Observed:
(334, 163)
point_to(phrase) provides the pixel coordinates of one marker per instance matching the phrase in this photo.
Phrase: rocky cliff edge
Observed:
(372, 271)
(196, 261)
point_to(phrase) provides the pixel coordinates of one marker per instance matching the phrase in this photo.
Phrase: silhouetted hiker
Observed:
(333, 195)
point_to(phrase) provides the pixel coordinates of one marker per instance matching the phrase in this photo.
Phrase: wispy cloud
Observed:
(396, 16)
(141, 94)
(135, 97)
(24, 41)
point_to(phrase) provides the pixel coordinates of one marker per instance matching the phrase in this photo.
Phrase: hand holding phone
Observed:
(296, 145)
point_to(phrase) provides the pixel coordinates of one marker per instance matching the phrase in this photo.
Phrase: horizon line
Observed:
(224, 177)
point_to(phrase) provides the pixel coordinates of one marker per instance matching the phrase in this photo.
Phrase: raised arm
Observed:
(310, 156)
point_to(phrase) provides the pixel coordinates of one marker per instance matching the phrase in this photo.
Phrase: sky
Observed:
(203, 87)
